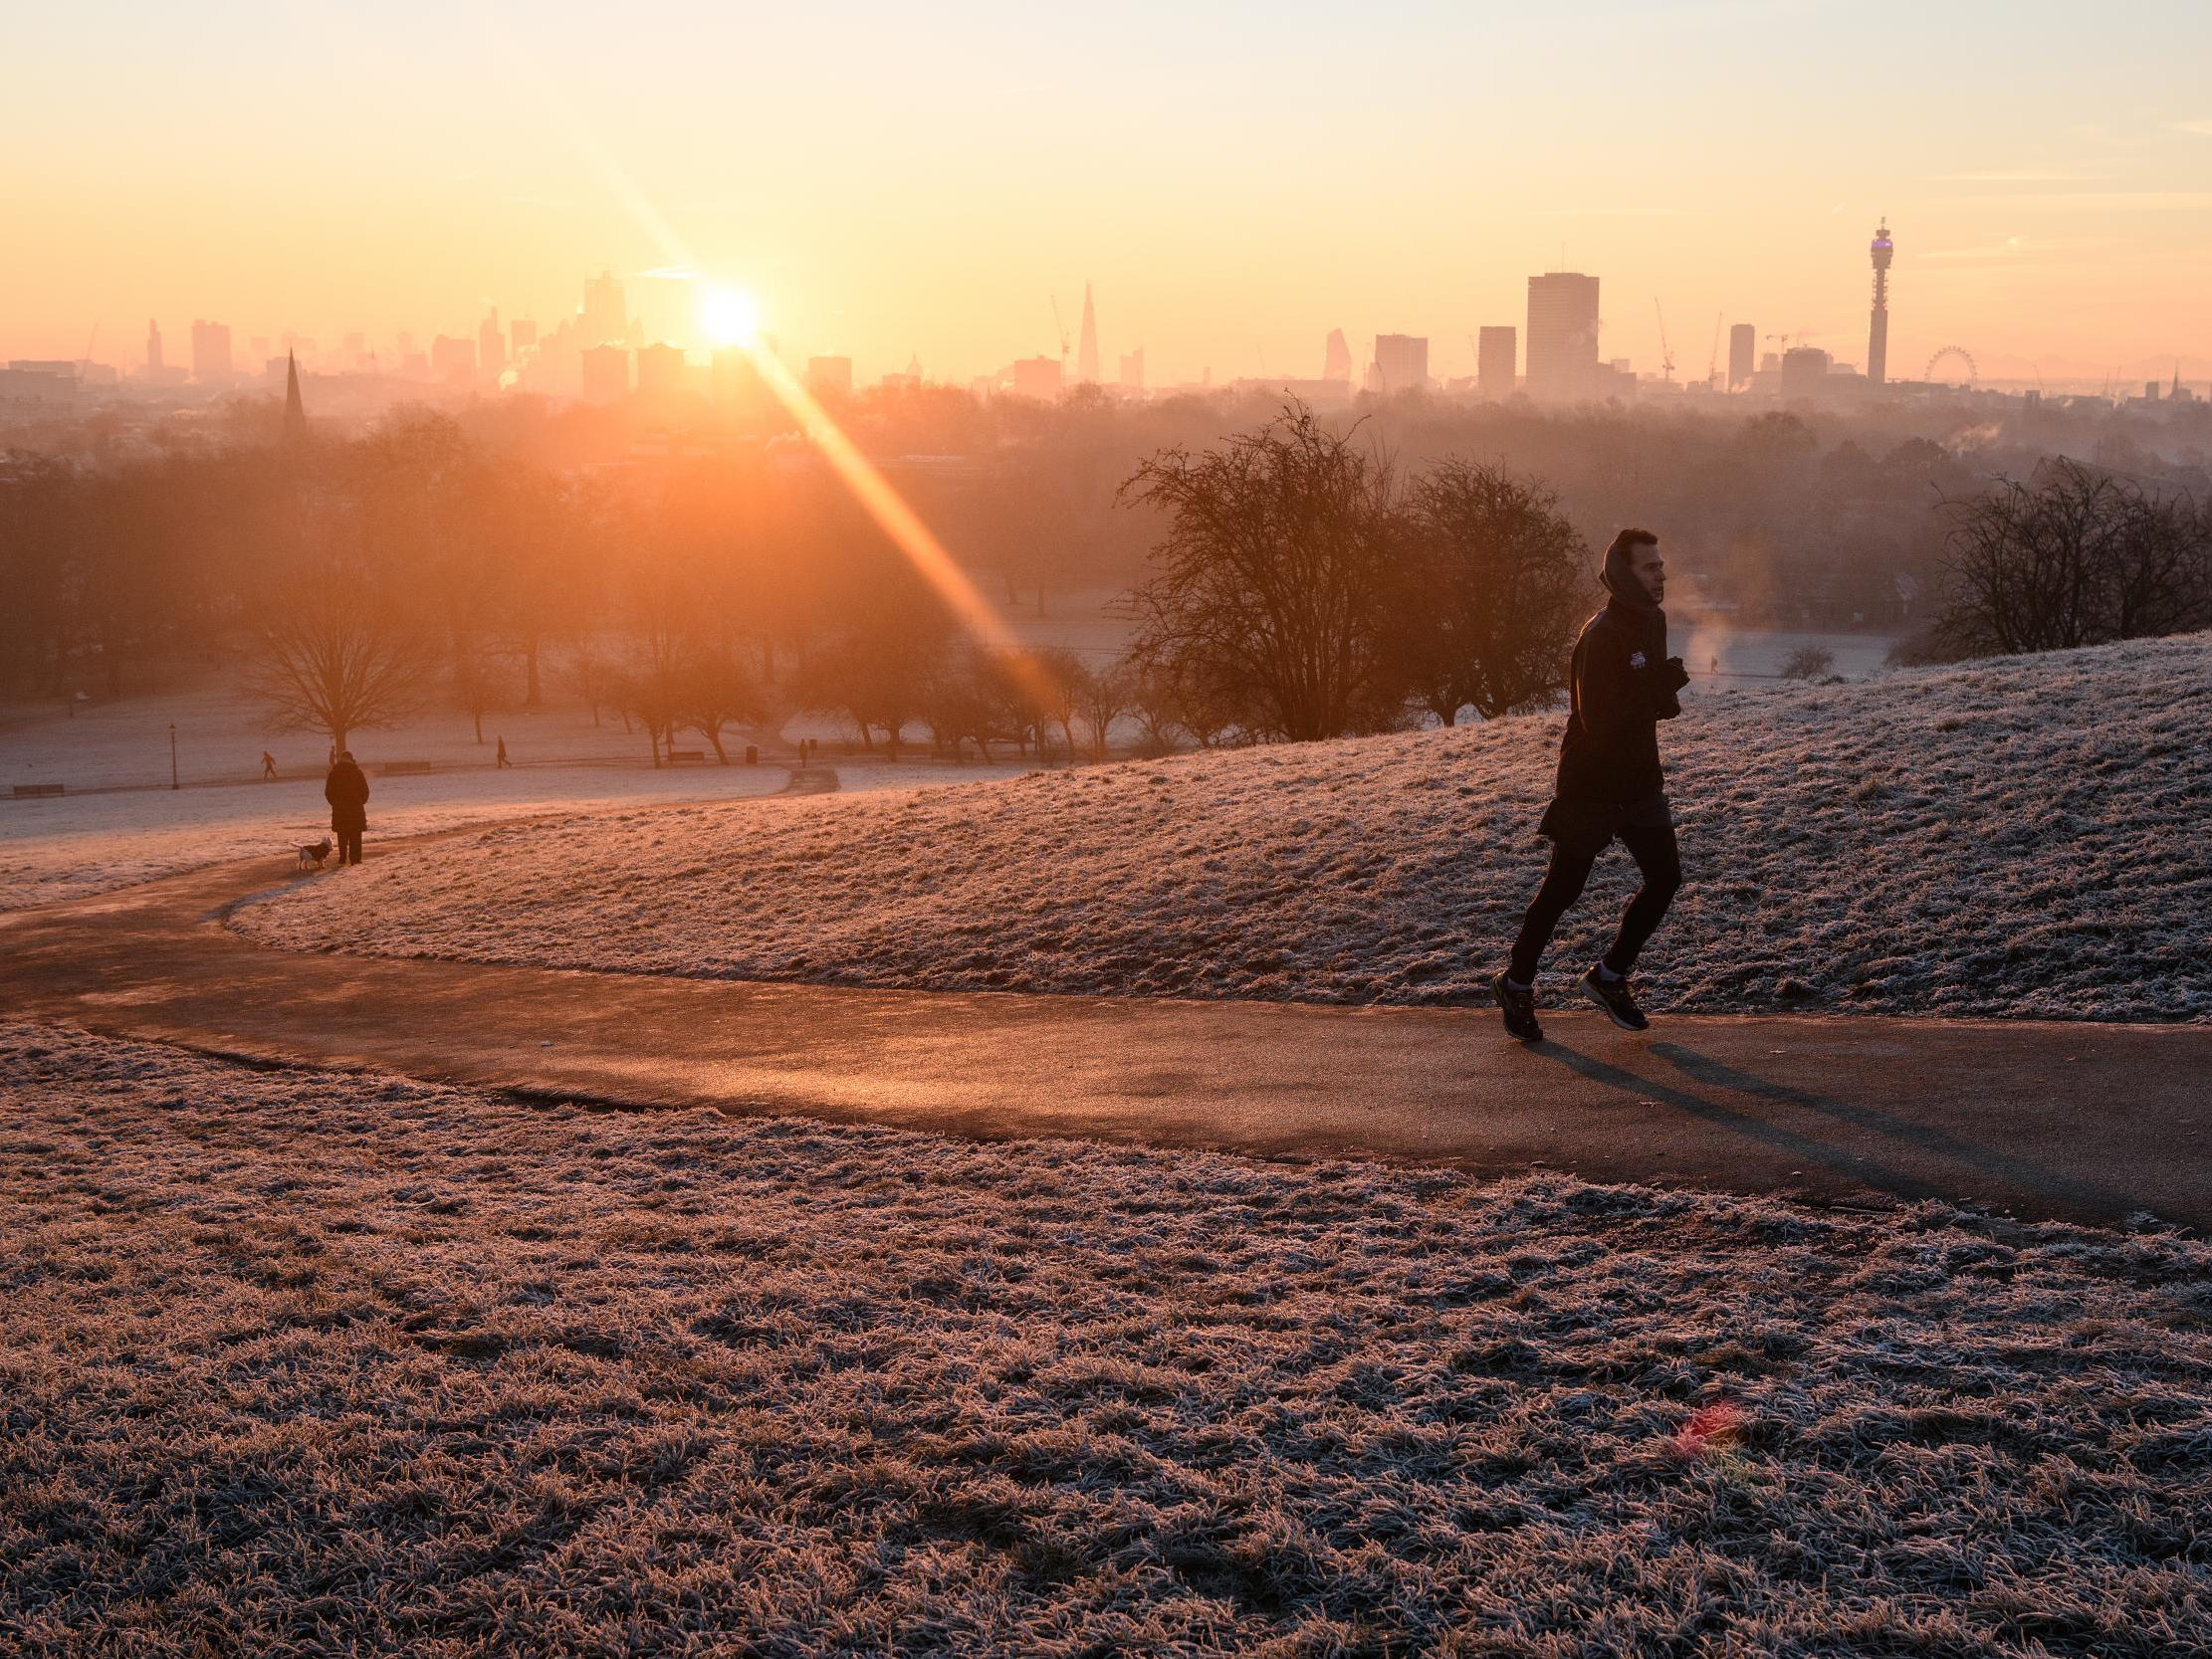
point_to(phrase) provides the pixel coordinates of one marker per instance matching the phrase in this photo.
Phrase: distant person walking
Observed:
(1622, 683)
(268, 764)
(503, 761)
(346, 789)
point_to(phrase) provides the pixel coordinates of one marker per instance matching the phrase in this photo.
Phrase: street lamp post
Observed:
(172, 755)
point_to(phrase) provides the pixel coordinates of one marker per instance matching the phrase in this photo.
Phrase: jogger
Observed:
(1611, 784)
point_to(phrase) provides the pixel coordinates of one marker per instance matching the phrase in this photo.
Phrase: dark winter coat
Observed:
(346, 789)
(1622, 683)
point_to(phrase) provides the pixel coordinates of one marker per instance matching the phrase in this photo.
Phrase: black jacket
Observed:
(348, 793)
(1623, 686)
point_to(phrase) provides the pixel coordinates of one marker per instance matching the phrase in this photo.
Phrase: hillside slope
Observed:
(2024, 837)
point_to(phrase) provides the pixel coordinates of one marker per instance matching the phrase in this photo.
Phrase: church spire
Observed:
(295, 412)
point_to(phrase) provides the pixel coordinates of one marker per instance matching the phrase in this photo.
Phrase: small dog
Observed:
(312, 854)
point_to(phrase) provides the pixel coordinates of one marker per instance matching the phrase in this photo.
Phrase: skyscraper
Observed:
(1336, 362)
(1401, 364)
(606, 318)
(1086, 354)
(1878, 326)
(154, 350)
(210, 351)
(1562, 334)
(1743, 346)
(491, 347)
(1133, 369)
(1495, 351)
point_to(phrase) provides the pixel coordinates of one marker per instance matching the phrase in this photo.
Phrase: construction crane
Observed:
(1667, 352)
(1063, 328)
(1712, 361)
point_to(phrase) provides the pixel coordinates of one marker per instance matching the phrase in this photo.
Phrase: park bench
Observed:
(401, 768)
(695, 754)
(29, 791)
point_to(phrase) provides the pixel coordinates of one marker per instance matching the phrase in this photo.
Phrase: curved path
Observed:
(2072, 1120)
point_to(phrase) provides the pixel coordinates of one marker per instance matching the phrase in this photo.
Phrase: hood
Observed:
(1622, 585)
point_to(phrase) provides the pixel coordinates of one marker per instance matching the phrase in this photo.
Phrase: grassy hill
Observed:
(2023, 837)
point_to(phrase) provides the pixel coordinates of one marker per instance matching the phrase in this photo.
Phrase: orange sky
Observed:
(1236, 179)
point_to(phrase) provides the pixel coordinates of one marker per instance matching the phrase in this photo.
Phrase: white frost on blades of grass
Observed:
(379, 1366)
(2016, 838)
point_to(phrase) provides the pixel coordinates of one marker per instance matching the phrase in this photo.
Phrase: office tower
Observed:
(1336, 359)
(295, 411)
(154, 350)
(522, 334)
(453, 359)
(1743, 345)
(606, 318)
(1401, 364)
(607, 373)
(1804, 367)
(830, 376)
(210, 351)
(660, 370)
(1496, 350)
(491, 347)
(1087, 353)
(1878, 326)
(1037, 377)
(1133, 369)
(1562, 351)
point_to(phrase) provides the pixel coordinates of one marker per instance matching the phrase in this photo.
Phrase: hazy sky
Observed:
(1236, 179)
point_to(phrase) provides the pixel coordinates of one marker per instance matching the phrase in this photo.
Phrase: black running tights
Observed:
(1656, 858)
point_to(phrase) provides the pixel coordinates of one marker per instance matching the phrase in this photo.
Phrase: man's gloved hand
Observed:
(1674, 675)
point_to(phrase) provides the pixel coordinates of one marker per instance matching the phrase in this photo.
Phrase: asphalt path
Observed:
(2069, 1120)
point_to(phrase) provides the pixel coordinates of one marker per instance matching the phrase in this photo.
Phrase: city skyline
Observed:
(213, 168)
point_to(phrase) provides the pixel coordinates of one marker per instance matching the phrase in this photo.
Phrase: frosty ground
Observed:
(304, 1362)
(2019, 838)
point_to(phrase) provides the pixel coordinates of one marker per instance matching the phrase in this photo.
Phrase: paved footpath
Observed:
(2072, 1120)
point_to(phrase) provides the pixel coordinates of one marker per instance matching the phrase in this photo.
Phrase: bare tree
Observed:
(1104, 697)
(1486, 596)
(328, 662)
(1808, 661)
(2076, 556)
(714, 692)
(1271, 575)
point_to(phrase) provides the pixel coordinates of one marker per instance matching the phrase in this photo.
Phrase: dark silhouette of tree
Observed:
(1269, 579)
(326, 659)
(1487, 592)
(714, 693)
(1103, 697)
(2076, 556)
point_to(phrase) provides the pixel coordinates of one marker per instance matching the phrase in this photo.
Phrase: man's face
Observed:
(1645, 565)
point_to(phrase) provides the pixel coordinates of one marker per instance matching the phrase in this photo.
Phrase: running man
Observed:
(1622, 683)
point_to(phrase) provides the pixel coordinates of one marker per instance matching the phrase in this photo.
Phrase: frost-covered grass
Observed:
(2019, 838)
(297, 1363)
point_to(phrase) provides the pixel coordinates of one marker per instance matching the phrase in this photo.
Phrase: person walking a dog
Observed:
(1622, 683)
(346, 789)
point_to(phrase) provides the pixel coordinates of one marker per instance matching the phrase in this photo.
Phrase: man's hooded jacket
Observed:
(1622, 684)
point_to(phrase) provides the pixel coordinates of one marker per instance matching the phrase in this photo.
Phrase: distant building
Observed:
(491, 347)
(660, 370)
(1496, 360)
(453, 359)
(153, 348)
(607, 373)
(522, 334)
(295, 411)
(1037, 377)
(734, 380)
(1133, 369)
(1743, 347)
(1880, 252)
(1804, 369)
(830, 376)
(1335, 358)
(210, 351)
(38, 380)
(606, 318)
(1562, 356)
(1086, 353)
(1401, 364)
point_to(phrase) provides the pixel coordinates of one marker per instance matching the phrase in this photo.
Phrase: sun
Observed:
(730, 316)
